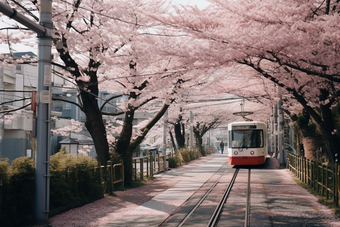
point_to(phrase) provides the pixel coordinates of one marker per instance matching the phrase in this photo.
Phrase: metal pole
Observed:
(275, 150)
(191, 131)
(270, 136)
(281, 134)
(13, 14)
(42, 161)
(42, 176)
(165, 129)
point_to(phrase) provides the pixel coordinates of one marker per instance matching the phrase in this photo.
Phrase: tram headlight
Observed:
(235, 153)
(252, 152)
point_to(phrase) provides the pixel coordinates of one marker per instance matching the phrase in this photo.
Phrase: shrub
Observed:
(172, 162)
(72, 178)
(23, 185)
(6, 208)
(17, 190)
(302, 121)
(185, 152)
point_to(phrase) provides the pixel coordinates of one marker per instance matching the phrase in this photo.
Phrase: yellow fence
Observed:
(147, 166)
(112, 175)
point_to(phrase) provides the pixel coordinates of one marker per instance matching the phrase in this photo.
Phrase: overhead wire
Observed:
(77, 87)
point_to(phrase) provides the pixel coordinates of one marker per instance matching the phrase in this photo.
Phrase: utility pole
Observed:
(275, 150)
(42, 161)
(165, 129)
(270, 135)
(281, 149)
(191, 139)
(42, 176)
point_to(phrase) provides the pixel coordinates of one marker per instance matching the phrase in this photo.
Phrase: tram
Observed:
(247, 143)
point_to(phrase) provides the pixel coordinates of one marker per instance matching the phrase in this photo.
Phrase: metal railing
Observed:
(324, 179)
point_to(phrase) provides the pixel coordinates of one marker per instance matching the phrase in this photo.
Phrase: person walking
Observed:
(222, 146)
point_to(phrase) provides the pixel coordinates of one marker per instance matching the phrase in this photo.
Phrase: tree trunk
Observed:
(172, 139)
(332, 140)
(327, 129)
(133, 145)
(95, 125)
(199, 141)
(123, 145)
(88, 92)
(183, 134)
(327, 126)
(179, 136)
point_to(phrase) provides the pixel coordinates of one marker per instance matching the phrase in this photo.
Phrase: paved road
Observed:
(276, 199)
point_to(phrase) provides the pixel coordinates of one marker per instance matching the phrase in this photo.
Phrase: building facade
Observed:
(17, 82)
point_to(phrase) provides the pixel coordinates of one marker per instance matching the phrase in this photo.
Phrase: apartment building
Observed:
(17, 82)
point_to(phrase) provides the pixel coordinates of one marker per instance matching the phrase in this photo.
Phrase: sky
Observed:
(199, 3)
(23, 47)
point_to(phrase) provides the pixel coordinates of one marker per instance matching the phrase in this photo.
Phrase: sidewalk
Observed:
(277, 199)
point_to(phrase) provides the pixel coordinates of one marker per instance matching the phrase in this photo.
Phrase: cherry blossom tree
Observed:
(292, 43)
(114, 46)
(99, 42)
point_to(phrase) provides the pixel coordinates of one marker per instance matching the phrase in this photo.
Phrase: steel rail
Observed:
(218, 210)
(203, 198)
(247, 215)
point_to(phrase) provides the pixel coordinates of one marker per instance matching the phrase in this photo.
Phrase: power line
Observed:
(15, 91)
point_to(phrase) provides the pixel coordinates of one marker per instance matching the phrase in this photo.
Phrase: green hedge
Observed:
(16, 190)
(71, 179)
(173, 162)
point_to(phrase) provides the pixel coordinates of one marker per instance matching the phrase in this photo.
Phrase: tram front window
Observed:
(246, 138)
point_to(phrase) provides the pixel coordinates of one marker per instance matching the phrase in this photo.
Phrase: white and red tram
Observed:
(247, 143)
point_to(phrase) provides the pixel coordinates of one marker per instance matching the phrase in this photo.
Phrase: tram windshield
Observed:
(246, 138)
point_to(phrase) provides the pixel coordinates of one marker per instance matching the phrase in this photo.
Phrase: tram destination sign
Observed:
(243, 127)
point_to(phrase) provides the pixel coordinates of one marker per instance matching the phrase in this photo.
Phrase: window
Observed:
(252, 138)
(66, 106)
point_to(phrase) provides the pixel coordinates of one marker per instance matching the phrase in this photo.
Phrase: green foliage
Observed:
(72, 178)
(5, 206)
(23, 184)
(185, 152)
(4, 170)
(173, 162)
(115, 157)
(196, 152)
(188, 154)
(307, 126)
(17, 190)
(202, 151)
(302, 121)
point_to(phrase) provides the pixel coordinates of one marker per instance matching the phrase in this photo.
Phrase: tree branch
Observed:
(65, 100)
(108, 100)
(13, 110)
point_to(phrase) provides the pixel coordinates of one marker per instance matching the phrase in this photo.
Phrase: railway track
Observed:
(203, 214)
